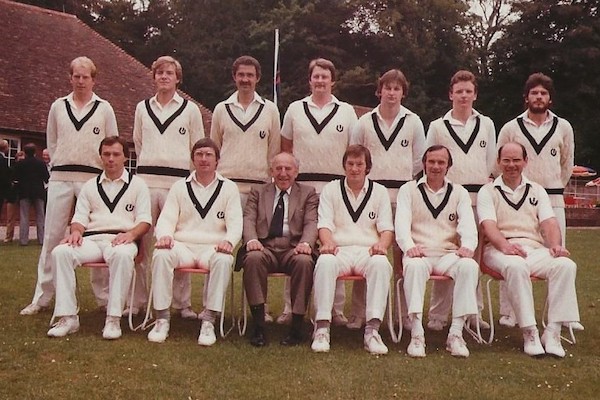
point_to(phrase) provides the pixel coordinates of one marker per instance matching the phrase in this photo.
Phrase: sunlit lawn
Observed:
(83, 365)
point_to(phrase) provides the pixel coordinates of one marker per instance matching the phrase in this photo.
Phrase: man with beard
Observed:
(548, 140)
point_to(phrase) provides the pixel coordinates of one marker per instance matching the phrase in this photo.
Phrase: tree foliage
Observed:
(562, 40)
(427, 39)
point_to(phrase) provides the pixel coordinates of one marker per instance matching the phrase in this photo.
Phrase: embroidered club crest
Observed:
(129, 207)
(96, 130)
(221, 215)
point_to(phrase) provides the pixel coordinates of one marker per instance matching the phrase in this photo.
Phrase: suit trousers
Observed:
(463, 271)
(165, 261)
(352, 260)
(61, 199)
(120, 260)
(560, 272)
(24, 206)
(278, 256)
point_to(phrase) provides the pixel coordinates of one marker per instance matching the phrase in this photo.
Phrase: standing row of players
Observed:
(316, 129)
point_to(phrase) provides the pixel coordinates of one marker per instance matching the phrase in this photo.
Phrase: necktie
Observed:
(276, 228)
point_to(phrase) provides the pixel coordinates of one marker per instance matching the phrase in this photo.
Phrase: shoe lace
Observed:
(206, 329)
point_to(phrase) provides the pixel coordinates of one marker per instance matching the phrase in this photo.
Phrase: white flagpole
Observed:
(276, 68)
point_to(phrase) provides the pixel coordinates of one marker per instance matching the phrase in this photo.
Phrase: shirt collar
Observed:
(233, 99)
(192, 178)
(278, 191)
(334, 100)
(423, 180)
(364, 188)
(549, 117)
(498, 182)
(403, 111)
(93, 99)
(448, 117)
(124, 177)
(176, 98)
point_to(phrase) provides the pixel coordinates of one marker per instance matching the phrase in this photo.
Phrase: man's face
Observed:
(165, 78)
(113, 159)
(355, 169)
(392, 93)
(463, 94)
(45, 156)
(284, 171)
(205, 160)
(436, 164)
(320, 81)
(511, 161)
(81, 80)
(246, 78)
(538, 100)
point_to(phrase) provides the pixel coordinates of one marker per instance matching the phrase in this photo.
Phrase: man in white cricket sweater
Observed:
(85, 119)
(246, 127)
(316, 130)
(200, 225)
(355, 229)
(165, 129)
(111, 214)
(471, 139)
(550, 145)
(517, 219)
(436, 230)
(396, 139)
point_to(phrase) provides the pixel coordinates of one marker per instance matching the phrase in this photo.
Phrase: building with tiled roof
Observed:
(37, 47)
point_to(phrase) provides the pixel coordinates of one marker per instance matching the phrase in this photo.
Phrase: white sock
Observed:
(417, 325)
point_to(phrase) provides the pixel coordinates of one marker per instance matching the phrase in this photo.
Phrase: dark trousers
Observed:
(278, 256)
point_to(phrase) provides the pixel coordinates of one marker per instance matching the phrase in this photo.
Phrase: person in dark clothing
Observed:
(5, 174)
(31, 173)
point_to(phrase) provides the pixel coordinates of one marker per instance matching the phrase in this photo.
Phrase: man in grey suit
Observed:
(280, 230)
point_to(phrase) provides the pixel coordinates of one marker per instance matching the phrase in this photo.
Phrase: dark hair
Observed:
(246, 60)
(517, 143)
(206, 142)
(358, 150)
(537, 79)
(393, 76)
(437, 147)
(110, 140)
(29, 149)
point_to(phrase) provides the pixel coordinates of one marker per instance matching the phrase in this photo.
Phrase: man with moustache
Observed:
(550, 145)
(247, 129)
(316, 130)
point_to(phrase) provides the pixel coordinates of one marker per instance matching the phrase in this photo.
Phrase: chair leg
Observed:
(490, 311)
(390, 315)
(243, 319)
(131, 297)
(397, 336)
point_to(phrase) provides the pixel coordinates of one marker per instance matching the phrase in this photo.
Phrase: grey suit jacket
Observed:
(302, 213)
(302, 216)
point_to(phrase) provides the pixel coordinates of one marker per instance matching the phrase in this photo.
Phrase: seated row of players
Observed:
(202, 222)
(167, 126)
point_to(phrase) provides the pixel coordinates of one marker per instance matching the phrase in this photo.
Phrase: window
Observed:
(13, 147)
(131, 164)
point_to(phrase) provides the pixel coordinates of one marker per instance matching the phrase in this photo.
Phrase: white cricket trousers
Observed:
(463, 271)
(61, 199)
(120, 260)
(352, 260)
(559, 272)
(165, 261)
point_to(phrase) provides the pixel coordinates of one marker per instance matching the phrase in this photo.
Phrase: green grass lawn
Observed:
(84, 365)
